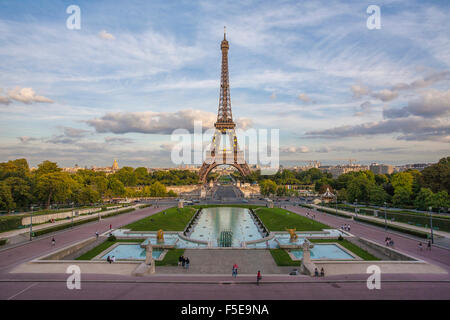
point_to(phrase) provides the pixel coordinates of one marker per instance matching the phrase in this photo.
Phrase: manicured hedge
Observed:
(10, 222)
(395, 228)
(77, 223)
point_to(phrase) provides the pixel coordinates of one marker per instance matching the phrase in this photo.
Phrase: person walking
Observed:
(187, 263)
(53, 242)
(258, 277)
(429, 245)
(96, 234)
(183, 261)
(110, 226)
(420, 246)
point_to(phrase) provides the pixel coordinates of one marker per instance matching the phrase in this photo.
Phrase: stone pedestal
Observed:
(307, 266)
(270, 204)
(181, 203)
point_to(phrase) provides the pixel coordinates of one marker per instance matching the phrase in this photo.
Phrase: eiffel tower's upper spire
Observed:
(224, 116)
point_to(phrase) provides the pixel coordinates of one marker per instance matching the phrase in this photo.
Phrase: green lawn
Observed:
(363, 254)
(276, 219)
(283, 259)
(174, 220)
(171, 258)
(91, 254)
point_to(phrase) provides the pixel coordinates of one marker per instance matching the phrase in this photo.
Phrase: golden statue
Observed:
(294, 236)
(160, 236)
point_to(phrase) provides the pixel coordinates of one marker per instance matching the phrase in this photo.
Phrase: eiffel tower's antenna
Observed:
(224, 32)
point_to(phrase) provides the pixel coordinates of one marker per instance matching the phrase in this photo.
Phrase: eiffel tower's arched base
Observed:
(207, 167)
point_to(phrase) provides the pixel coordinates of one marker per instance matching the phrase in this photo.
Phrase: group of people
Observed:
(316, 272)
(184, 262)
(389, 241)
(428, 245)
(111, 259)
(234, 271)
(310, 215)
(346, 227)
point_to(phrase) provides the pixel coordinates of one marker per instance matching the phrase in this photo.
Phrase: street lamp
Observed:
(72, 214)
(336, 201)
(31, 223)
(431, 224)
(385, 219)
(356, 209)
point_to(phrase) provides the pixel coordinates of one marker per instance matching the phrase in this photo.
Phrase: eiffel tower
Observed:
(220, 153)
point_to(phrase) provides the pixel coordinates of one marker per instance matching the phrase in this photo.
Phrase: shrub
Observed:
(112, 237)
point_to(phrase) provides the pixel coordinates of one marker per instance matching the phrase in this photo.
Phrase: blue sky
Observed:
(136, 70)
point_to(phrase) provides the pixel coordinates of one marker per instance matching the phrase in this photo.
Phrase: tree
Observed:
(54, 187)
(47, 167)
(437, 176)
(268, 187)
(439, 200)
(20, 191)
(14, 168)
(127, 176)
(359, 188)
(402, 180)
(157, 189)
(100, 184)
(377, 195)
(6, 198)
(402, 197)
(116, 187)
(423, 198)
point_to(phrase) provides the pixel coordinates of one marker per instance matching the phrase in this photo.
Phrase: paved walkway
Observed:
(11, 257)
(389, 222)
(16, 232)
(220, 261)
(407, 244)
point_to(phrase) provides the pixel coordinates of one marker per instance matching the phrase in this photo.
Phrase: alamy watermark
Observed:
(74, 280)
(374, 20)
(374, 280)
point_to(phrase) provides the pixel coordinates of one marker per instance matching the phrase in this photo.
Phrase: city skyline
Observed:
(133, 73)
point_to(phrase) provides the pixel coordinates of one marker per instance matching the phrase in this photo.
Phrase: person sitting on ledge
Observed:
(322, 272)
(109, 259)
(316, 272)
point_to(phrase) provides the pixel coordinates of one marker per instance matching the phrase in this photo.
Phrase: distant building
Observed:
(73, 169)
(108, 170)
(336, 171)
(414, 166)
(381, 168)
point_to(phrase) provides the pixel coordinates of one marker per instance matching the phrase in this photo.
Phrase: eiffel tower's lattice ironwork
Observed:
(220, 152)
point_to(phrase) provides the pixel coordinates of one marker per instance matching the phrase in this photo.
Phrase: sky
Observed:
(136, 70)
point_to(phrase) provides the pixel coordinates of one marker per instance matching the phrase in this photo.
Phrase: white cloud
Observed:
(105, 35)
(304, 97)
(27, 95)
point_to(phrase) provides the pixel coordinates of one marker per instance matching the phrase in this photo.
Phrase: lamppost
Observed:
(335, 196)
(385, 219)
(431, 224)
(31, 223)
(72, 214)
(356, 209)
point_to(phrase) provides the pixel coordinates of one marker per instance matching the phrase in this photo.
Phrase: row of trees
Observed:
(410, 188)
(48, 184)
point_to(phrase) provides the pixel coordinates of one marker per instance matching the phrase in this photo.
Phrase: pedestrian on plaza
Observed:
(110, 226)
(235, 270)
(420, 246)
(183, 261)
(53, 241)
(109, 259)
(180, 259)
(429, 245)
(316, 272)
(322, 272)
(258, 277)
(113, 259)
(96, 234)
(187, 263)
